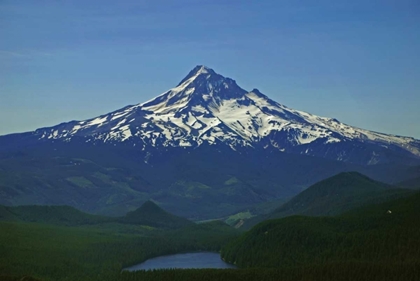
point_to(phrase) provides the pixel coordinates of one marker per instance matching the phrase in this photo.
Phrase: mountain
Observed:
(206, 108)
(204, 149)
(151, 214)
(333, 196)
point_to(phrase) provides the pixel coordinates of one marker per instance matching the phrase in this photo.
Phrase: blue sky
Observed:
(357, 61)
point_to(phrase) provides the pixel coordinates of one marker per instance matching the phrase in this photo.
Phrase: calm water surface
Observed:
(188, 260)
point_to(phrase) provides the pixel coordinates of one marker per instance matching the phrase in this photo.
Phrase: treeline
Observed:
(349, 271)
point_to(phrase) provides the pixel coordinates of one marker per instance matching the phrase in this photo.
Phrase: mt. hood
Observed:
(206, 108)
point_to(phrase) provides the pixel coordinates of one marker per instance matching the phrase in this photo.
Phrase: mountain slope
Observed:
(199, 184)
(207, 108)
(333, 196)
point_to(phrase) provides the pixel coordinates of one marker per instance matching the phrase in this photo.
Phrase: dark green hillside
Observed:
(60, 215)
(366, 236)
(151, 214)
(404, 210)
(411, 183)
(334, 196)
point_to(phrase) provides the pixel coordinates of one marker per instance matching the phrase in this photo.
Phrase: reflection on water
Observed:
(188, 260)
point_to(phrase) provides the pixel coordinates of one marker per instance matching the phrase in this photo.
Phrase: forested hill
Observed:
(335, 195)
(151, 214)
(384, 235)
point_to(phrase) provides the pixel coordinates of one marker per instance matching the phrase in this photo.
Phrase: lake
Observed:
(188, 260)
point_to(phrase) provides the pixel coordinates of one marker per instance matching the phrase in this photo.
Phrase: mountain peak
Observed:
(197, 71)
(202, 69)
(149, 206)
(201, 87)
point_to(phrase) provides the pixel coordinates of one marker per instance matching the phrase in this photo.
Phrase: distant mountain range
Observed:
(204, 149)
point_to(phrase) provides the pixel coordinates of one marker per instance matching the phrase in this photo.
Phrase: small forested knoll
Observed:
(151, 214)
(335, 195)
(383, 236)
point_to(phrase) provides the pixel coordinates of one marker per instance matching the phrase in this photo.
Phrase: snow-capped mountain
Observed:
(207, 108)
(205, 149)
